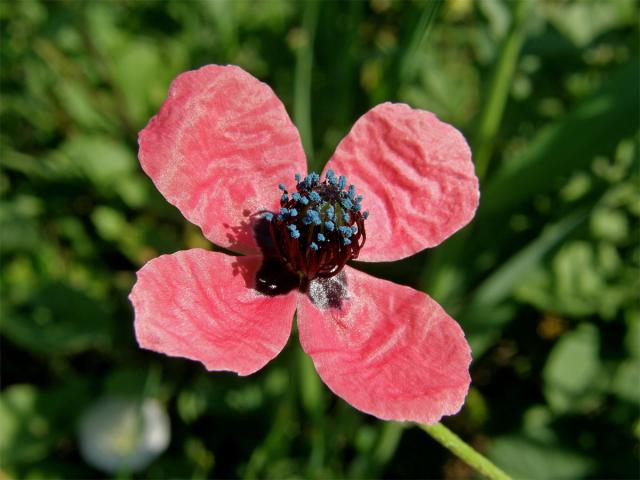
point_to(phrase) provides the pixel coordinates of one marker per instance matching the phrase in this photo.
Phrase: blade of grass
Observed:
(499, 88)
(370, 464)
(313, 402)
(408, 63)
(302, 80)
(480, 322)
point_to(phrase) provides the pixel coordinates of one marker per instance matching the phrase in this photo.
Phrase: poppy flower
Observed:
(222, 149)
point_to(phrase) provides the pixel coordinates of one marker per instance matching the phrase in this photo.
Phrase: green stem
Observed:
(464, 451)
(499, 89)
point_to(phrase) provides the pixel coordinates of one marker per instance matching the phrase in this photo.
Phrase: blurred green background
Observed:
(545, 280)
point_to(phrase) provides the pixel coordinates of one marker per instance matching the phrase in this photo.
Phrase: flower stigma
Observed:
(319, 227)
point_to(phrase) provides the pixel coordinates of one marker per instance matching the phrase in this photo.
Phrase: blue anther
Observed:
(354, 228)
(295, 196)
(294, 231)
(346, 217)
(268, 216)
(359, 198)
(346, 203)
(357, 207)
(298, 177)
(293, 212)
(365, 215)
(284, 198)
(346, 241)
(311, 179)
(321, 237)
(304, 200)
(279, 217)
(331, 177)
(284, 211)
(342, 181)
(329, 226)
(282, 187)
(313, 246)
(315, 217)
(314, 196)
(312, 217)
(345, 231)
(330, 213)
(352, 191)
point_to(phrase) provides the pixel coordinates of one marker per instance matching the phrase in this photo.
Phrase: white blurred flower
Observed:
(123, 434)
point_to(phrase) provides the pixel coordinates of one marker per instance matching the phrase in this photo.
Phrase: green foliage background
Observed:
(545, 280)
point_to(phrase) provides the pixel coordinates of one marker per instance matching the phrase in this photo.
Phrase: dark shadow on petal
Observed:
(273, 277)
(238, 235)
(262, 234)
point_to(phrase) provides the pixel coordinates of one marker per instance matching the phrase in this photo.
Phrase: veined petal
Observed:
(416, 176)
(388, 350)
(202, 305)
(217, 150)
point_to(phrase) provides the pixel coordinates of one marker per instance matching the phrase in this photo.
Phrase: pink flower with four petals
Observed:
(217, 150)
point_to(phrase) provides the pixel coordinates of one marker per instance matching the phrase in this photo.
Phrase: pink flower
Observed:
(217, 150)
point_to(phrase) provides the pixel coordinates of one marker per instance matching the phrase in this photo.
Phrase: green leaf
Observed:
(25, 433)
(582, 22)
(523, 457)
(632, 339)
(34, 421)
(103, 160)
(609, 224)
(59, 321)
(113, 226)
(581, 281)
(625, 381)
(572, 369)
(18, 230)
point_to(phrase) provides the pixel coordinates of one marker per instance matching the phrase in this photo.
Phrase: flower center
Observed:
(319, 227)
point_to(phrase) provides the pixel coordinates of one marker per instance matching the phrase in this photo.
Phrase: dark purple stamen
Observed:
(319, 227)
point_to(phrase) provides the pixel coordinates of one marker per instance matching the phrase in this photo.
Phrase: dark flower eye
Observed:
(319, 227)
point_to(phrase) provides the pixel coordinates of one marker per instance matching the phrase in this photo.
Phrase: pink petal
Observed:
(416, 176)
(217, 150)
(201, 305)
(389, 350)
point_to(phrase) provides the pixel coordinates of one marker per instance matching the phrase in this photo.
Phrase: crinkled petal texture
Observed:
(202, 305)
(389, 350)
(416, 175)
(217, 149)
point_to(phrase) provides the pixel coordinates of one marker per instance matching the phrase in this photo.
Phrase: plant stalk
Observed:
(464, 451)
